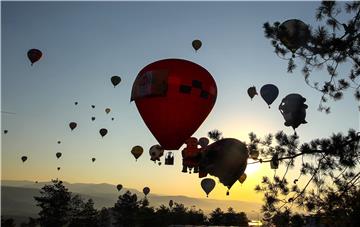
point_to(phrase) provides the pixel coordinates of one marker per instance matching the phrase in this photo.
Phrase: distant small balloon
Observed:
(115, 80)
(72, 125)
(146, 191)
(252, 92)
(107, 110)
(58, 155)
(76, 103)
(59, 142)
(93, 159)
(5, 131)
(103, 132)
(58, 168)
(34, 55)
(203, 142)
(196, 44)
(207, 185)
(24, 158)
(112, 118)
(119, 187)
(137, 151)
(93, 118)
(93, 106)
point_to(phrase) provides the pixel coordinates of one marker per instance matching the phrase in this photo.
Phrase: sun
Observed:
(252, 168)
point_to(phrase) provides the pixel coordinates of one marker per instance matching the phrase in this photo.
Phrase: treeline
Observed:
(60, 208)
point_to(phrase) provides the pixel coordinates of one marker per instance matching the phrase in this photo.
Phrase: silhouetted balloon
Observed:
(34, 55)
(173, 96)
(103, 132)
(146, 191)
(72, 125)
(112, 118)
(207, 185)
(36, 182)
(93, 106)
(75, 103)
(58, 155)
(137, 151)
(5, 131)
(269, 93)
(58, 168)
(242, 178)
(24, 158)
(294, 34)
(107, 110)
(93, 159)
(156, 152)
(171, 203)
(252, 92)
(293, 109)
(203, 142)
(225, 159)
(59, 142)
(119, 187)
(93, 118)
(196, 44)
(115, 80)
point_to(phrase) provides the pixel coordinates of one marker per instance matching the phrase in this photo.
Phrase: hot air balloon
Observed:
(207, 185)
(36, 182)
(23, 158)
(93, 118)
(93, 159)
(171, 203)
(34, 55)
(225, 159)
(107, 110)
(58, 168)
(75, 103)
(146, 191)
(112, 118)
(103, 132)
(5, 131)
(137, 151)
(191, 155)
(293, 109)
(72, 125)
(196, 44)
(173, 96)
(252, 92)
(203, 142)
(58, 154)
(93, 106)
(119, 187)
(269, 93)
(115, 80)
(59, 142)
(156, 152)
(242, 178)
(294, 34)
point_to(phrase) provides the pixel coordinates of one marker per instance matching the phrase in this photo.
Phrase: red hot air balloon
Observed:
(34, 55)
(174, 97)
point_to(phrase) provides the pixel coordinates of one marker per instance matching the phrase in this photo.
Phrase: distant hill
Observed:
(17, 198)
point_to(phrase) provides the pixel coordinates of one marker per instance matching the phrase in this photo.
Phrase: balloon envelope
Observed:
(252, 92)
(269, 93)
(34, 55)
(242, 178)
(196, 44)
(107, 110)
(156, 152)
(58, 155)
(225, 159)
(23, 158)
(137, 151)
(119, 187)
(294, 34)
(146, 190)
(93, 159)
(203, 142)
(207, 185)
(173, 97)
(115, 80)
(5, 131)
(293, 109)
(103, 132)
(72, 125)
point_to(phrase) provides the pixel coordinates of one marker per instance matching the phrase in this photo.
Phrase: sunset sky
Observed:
(85, 43)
